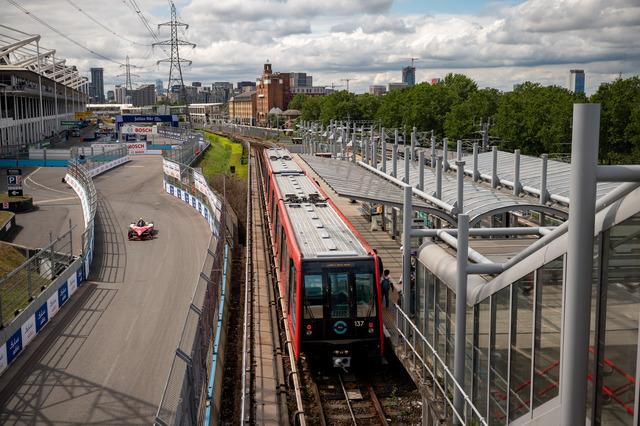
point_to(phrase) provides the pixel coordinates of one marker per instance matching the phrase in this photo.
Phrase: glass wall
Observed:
(513, 337)
(499, 356)
(621, 288)
(521, 344)
(482, 327)
(546, 357)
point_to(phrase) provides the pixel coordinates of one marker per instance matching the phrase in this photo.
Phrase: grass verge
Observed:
(221, 156)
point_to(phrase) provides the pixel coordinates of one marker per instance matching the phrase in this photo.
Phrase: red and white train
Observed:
(327, 272)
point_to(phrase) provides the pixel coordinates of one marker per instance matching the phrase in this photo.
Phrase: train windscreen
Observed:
(338, 291)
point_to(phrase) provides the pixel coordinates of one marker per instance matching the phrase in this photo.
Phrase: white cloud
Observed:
(539, 40)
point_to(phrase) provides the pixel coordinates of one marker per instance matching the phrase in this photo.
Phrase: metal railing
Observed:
(433, 368)
(21, 286)
(244, 130)
(91, 158)
(192, 147)
(185, 395)
(84, 178)
(188, 394)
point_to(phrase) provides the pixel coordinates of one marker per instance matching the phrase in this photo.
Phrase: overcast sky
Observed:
(497, 43)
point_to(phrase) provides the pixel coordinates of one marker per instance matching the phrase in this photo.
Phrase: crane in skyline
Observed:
(333, 86)
(348, 80)
(412, 59)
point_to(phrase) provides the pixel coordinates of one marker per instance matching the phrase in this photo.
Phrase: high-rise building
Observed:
(159, 87)
(409, 75)
(221, 91)
(576, 81)
(111, 96)
(246, 86)
(377, 90)
(300, 79)
(121, 94)
(97, 80)
(144, 95)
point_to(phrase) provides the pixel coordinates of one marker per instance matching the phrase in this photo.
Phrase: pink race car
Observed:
(140, 230)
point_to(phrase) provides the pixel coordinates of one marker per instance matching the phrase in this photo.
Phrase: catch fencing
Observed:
(33, 293)
(192, 392)
(252, 131)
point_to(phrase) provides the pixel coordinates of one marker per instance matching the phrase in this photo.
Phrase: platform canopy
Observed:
(354, 181)
(558, 174)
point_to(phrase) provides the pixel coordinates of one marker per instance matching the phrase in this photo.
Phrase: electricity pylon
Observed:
(127, 75)
(175, 62)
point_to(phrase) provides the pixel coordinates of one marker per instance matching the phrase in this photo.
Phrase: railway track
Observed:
(345, 399)
(261, 323)
(324, 396)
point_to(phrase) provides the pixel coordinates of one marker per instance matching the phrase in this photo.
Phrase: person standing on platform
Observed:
(385, 286)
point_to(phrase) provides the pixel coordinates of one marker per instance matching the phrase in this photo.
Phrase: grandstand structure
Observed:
(525, 304)
(38, 89)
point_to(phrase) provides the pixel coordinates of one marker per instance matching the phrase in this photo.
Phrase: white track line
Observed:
(29, 179)
(53, 200)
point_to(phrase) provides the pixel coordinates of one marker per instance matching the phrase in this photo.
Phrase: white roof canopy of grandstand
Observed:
(20, 51)
(558, 174)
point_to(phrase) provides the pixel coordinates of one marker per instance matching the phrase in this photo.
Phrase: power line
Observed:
(80, 45)
(104, 26)
(142, 18)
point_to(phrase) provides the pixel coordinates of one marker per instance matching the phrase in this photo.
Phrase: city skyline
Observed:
(498, 44)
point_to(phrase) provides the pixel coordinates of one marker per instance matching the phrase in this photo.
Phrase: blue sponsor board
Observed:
(178, 192)
(206, 213)
(193, 202)
(14, 346)
(63, 294)
(80, 275)
(172, 190)
(186, 198)
(42, 317)
(147, 119)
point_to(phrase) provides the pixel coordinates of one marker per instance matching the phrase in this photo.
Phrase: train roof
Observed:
(281, 161)
(319, 230)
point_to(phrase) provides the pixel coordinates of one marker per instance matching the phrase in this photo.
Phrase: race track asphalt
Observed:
(56, 203)
(104, 359)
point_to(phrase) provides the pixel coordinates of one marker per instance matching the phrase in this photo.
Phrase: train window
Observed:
(283, 249)
(365, 300)
(313, 300)
(293, 288)
(339, 286)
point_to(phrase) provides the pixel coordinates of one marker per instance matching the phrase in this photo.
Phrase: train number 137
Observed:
(359, 323)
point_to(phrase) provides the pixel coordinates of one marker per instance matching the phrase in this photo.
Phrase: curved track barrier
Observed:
(193, 390)
(33, 293)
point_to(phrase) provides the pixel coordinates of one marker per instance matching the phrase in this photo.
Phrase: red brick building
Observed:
(273, 90)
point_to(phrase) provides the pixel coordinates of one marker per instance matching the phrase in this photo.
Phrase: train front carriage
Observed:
(339, 308)
(327, 272)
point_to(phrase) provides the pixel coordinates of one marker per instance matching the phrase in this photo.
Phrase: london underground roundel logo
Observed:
(340, 327)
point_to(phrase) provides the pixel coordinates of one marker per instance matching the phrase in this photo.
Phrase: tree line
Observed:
(533, 118)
